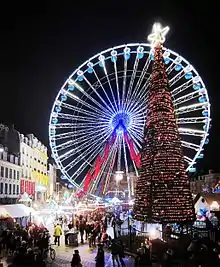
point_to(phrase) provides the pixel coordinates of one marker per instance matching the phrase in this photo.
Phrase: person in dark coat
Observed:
(76, 260)
(100, 257)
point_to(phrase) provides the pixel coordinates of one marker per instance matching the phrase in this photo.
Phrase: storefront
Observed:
(41, 186)
(27, 186)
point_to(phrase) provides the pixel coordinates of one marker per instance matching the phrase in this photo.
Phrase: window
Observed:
(10, 189)
(18, 175)
(6, 172)
(2, 171)
(17, 190)
(1, 188)
(6, 189)
(10, 173)
(14, 174)
(14, 189)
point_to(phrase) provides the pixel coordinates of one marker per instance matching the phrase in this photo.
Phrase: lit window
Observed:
(6, 189)
(1, 188)
(2, 171)
(10, 173)
(6, 172)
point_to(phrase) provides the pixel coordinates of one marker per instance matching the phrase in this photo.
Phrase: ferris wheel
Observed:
(97, 121)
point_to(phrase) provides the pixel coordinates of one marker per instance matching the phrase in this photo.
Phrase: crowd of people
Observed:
(92, 227)
(25, 246)
(29, 246)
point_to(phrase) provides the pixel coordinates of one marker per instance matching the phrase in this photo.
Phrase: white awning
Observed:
(18, 210)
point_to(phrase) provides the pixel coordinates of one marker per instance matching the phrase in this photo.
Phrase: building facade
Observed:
(52, 174)
(204, 183)
(34, 161)
(10, 173)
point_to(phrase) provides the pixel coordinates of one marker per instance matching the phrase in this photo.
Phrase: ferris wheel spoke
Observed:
(136, 137)
(112, 162)
(143, 72)
(103, 89)
(190, 145)
(124, 82)
(127, 99)
(139, 96)
(126, 168)
(191, 108)
(73, 134)
(91, 149)
(80, 110)
(140, 99)
(84, 165)
(188, 160)
(116, 81)
(192, 120)
(119, 154)
(139, 107)
(188, 97)
(94, 186)
(89, 125)
(138, 87)
(94, 90)
(138, 128)
(62, 125)
(194, 132)
(64, 135)
(176, 90)
(102, 108)
(171, 67)
(80, 118)
(77, 99)
(110, 86)
(87, 146)
(176, 78)
(74, 142)
(88, 136)
(139, 113)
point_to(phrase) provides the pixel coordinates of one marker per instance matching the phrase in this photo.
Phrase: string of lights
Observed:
(163, 190)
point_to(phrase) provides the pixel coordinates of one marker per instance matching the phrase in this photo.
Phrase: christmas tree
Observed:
(163, 189)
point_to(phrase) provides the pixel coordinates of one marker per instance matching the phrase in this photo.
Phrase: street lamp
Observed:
(118, 178)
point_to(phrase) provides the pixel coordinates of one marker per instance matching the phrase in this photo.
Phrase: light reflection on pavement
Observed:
(64, 257)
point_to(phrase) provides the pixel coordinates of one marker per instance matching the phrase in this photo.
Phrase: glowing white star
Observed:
(158, 34)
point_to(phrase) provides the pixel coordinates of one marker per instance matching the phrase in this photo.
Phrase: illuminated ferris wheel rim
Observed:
(169, 54)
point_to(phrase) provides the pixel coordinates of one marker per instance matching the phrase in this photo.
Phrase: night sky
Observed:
(40, 50)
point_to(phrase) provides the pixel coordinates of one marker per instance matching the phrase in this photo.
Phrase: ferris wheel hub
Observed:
(120, 122)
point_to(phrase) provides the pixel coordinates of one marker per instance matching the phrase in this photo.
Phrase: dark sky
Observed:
(39, 50)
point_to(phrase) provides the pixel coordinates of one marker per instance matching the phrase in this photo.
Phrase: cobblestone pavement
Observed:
(64, 257)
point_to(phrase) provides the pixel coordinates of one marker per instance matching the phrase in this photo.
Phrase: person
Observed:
(100, 257)
(143, 258)
(114, 251)
(57, 234)
(81, 230)
(76, 260)
(121, 253)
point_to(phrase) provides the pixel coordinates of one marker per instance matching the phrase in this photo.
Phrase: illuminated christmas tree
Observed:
(163, 189)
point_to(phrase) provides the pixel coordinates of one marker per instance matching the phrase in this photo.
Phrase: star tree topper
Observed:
(158, 34)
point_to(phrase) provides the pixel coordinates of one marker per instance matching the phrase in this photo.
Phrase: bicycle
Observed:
(50, 254)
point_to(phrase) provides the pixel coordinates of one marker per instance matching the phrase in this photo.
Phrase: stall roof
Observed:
(209, 197)
(18, 210)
